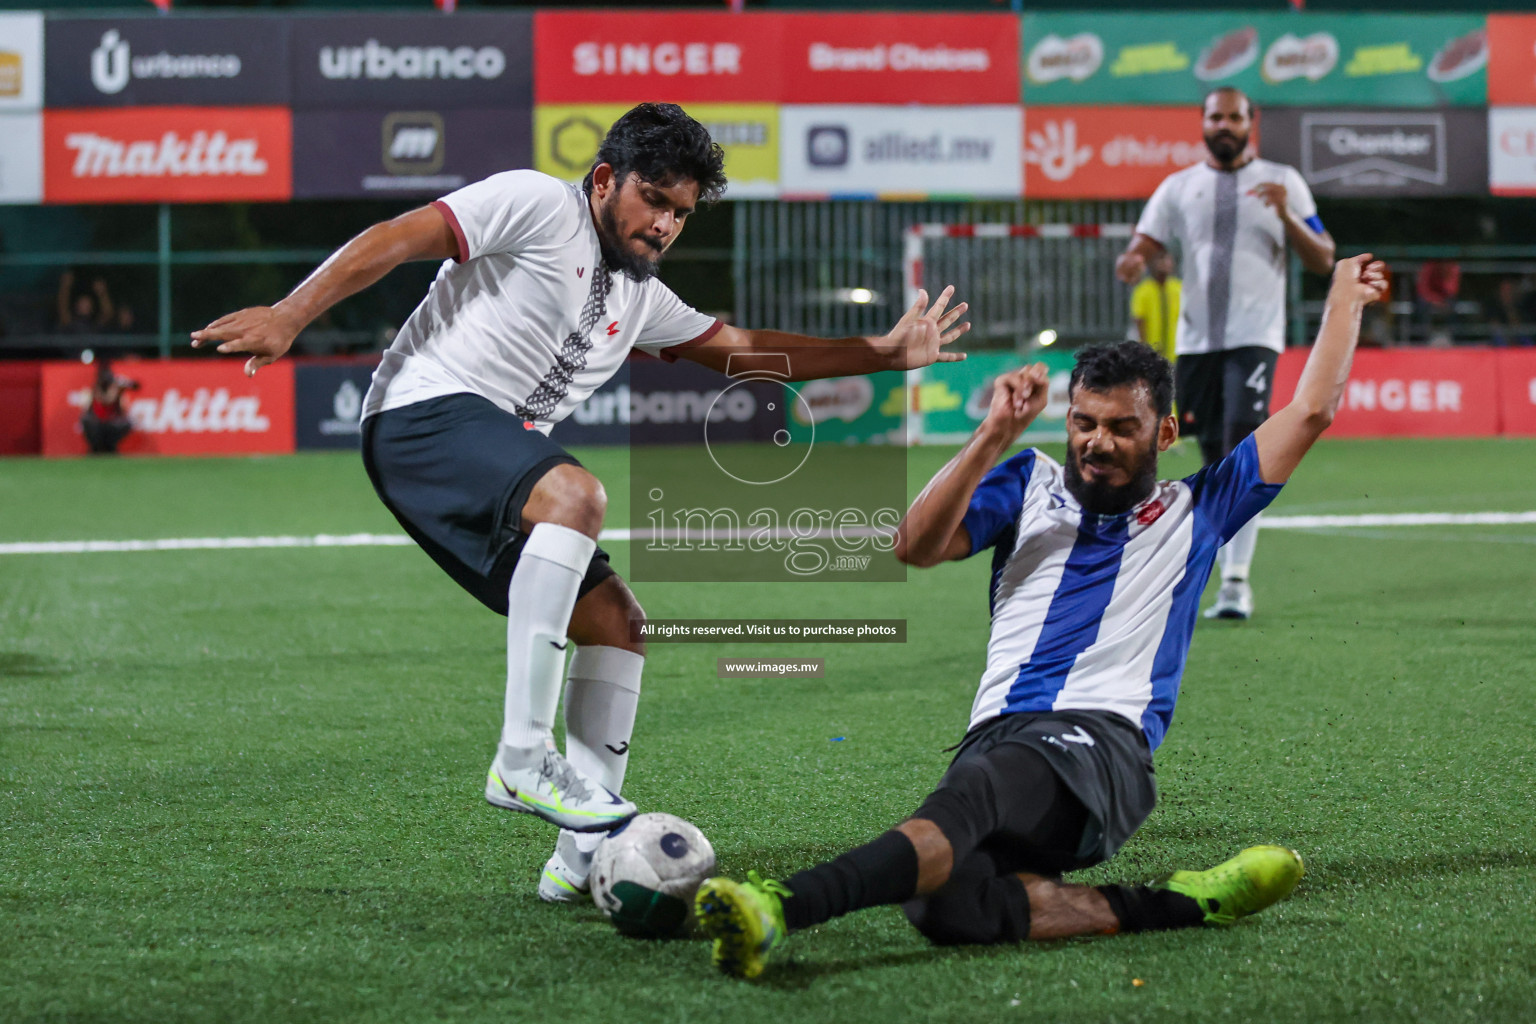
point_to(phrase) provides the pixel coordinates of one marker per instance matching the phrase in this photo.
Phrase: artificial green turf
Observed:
(245, 785)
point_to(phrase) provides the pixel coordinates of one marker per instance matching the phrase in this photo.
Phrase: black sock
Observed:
(1143, 909)
(884, 871)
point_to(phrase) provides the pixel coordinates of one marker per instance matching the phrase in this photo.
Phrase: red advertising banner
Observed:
(1408, 392)
(719, 57)
(1516, 369)
(167, 154)
(900, 58)
(1107, 152)
(181, 407)
(1512, 59)
(633, 56)
(19, 383)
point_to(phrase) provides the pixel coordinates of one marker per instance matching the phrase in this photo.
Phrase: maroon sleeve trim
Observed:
(458, 232)
(671, 352)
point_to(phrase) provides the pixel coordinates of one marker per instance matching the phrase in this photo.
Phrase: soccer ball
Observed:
(644, 874)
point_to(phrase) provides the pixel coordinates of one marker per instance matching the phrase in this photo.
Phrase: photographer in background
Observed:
(104, 422)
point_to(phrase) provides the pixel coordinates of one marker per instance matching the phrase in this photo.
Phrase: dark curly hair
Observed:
(1102, 367)
(663, 145)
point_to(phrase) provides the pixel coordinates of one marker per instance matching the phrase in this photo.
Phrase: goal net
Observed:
(1035, 292)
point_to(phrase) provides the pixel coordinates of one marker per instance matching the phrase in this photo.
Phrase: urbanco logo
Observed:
(113, 64)
(378, 62)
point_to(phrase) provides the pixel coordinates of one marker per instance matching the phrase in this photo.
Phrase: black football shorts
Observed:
(456, 472)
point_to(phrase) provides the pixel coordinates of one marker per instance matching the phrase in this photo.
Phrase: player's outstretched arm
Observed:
(917, 340)
(932, 530)
(266, 332)
(1287, 435)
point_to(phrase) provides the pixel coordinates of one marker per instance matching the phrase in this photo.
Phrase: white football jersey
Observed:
(526, 314)
(1234, 266)
(1096, 612)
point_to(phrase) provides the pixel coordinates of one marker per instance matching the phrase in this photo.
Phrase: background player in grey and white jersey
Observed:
(1234, 216)
(544, 291)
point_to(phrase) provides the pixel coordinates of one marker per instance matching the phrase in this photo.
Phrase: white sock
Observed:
(1237, 554)
(539, 604)
(601, 695)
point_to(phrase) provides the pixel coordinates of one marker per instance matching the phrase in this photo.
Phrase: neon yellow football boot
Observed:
(745, 920)
(1259, 877)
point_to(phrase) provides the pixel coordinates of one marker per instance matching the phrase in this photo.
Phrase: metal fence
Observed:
(834, 268)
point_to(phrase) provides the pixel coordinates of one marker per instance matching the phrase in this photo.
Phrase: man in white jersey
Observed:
(544, 290)
(1234, 215)
(1097, 569)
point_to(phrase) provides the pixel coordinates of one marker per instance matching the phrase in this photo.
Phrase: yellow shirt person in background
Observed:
(1155, 305)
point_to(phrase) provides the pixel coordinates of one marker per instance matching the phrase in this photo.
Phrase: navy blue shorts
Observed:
(456, 472)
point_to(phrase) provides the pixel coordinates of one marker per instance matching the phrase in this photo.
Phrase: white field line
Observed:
(367, 540)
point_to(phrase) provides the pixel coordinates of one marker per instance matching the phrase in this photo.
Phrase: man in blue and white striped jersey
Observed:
(1097, 569)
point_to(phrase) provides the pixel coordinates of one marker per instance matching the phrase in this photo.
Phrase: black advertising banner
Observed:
(166, 61)
(346, 154)
(413, 61)
(327, 400)
(1379, 153)
(650, 401)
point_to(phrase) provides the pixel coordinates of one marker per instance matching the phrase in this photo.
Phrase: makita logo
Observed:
(1349, 142)
(896, 57)
(112, 64)
(206, 412)
(660, 59)
(203, 155)
(373, 60)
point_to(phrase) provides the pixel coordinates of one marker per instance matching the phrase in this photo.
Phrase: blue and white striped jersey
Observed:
(1096, 612)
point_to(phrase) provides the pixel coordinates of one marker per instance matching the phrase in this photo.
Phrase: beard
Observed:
(1105, 499)
(616, 254)
(1225, 146)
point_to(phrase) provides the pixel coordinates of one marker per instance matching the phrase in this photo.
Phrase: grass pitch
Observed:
(245, 785)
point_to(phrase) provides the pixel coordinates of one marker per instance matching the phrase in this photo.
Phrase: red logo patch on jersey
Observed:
(529, 425)
(613, 328)
(1151, 512)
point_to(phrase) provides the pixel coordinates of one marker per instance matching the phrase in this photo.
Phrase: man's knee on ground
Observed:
(570, 496)
(971, 912)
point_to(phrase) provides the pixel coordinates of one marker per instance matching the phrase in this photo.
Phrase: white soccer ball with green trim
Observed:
(645, 873)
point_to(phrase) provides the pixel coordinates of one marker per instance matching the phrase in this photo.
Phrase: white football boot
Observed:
(565, 875)
(1233, 601)
(542, 782)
